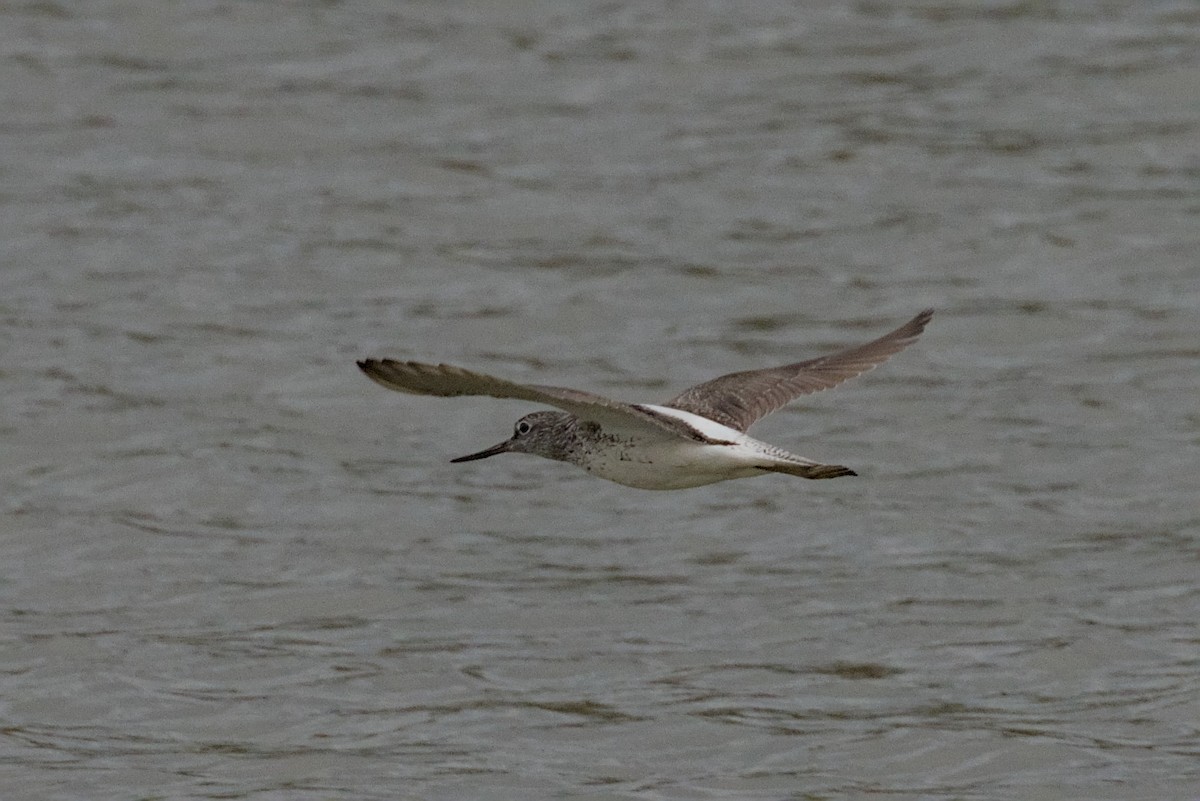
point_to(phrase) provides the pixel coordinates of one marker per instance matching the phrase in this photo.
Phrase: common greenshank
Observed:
(696, 438)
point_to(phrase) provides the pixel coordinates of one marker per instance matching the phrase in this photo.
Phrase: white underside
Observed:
(654, 460)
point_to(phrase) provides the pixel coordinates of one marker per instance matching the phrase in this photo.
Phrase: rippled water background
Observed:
(230, 567)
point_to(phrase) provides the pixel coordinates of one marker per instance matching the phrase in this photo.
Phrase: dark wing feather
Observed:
(739, 399)
(445, 380)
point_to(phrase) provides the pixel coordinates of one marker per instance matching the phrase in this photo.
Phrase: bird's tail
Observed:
(811, 470)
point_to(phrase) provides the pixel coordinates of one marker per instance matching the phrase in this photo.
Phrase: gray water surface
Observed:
(231, 567)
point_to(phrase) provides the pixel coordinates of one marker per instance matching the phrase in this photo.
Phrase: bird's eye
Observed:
(523, 427)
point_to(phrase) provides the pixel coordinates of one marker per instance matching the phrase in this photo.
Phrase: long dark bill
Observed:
(492, 451)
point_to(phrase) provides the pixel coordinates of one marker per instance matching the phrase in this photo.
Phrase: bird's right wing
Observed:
(739, 399)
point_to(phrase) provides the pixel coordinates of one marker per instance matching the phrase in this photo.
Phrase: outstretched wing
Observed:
(739, 399)
(446, 381)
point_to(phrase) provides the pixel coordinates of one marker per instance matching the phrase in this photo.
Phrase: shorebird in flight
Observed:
(696, 438)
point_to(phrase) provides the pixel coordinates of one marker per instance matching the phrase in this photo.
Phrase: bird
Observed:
(694, 439)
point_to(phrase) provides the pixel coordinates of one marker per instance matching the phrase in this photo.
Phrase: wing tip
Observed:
(909, 332)
(922, 319)
(389, 373)
(374, 367)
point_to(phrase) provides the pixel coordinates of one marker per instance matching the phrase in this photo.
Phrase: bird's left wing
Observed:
(447, 381)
